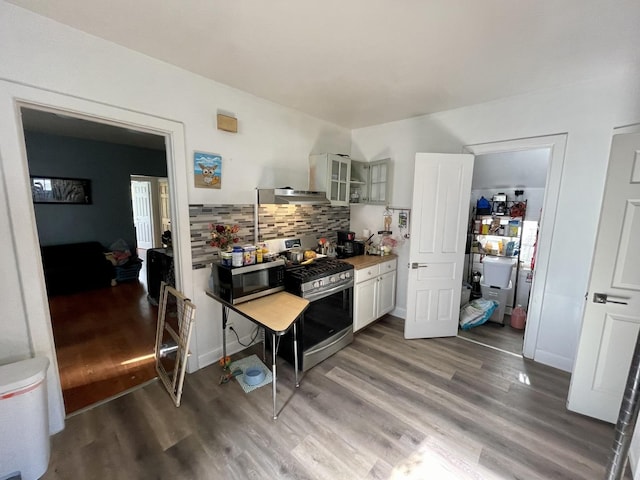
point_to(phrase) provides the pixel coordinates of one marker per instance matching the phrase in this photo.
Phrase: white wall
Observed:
(44, 61)
(588, 112)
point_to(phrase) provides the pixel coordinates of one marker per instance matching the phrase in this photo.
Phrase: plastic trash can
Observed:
(24, 419)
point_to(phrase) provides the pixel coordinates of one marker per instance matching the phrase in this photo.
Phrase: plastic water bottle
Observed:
(518, 317)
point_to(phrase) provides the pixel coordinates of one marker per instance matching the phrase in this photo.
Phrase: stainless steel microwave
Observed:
(241, 284)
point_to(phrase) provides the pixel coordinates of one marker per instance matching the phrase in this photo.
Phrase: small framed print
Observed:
(207, 170)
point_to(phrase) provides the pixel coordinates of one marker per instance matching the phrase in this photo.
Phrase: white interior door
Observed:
(165, 211)
(440, 211)
(141, 200)
(610, 326)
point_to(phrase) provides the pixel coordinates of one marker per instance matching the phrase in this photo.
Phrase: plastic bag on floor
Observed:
(476, 312)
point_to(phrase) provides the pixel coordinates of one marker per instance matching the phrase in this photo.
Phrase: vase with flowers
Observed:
(224, 236)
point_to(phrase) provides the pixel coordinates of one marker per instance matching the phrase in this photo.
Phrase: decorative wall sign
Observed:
(207, 170)
(60, 190)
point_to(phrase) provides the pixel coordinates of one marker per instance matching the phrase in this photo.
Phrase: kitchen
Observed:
(289, 221)
(272, 149)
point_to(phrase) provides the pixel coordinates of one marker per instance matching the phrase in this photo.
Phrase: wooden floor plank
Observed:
(382, 408)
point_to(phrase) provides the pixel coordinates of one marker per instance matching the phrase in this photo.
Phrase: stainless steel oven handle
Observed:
(311, 352)
(325, 293)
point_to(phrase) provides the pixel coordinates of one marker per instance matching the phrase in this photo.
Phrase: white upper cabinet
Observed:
(370, 182)
(331, 173)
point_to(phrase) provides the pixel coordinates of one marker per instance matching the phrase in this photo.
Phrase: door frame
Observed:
(557, 145)
(14, 166)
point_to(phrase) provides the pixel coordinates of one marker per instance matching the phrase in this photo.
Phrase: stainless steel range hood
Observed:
(288, 195)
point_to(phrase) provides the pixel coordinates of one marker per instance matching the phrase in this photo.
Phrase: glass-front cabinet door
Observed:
(379, 181)
(339, 180)
(330, 172)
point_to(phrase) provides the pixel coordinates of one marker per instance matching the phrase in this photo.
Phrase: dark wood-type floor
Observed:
(382, 408)
(104, 342)
(495, 335)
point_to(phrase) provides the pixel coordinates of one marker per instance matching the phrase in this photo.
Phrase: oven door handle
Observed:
(326, 293)
(311, 352)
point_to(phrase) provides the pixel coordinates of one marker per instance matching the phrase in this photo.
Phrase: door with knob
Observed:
(440, 210)
(611, 319)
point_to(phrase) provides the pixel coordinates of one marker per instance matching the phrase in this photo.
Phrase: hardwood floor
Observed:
(495, 335)
(104, 342)
(382, 408)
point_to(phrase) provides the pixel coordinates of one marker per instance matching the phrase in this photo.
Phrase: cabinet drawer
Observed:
(366, 273)
(388, 266)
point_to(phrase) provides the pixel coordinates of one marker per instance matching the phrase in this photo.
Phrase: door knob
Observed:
(604, 298)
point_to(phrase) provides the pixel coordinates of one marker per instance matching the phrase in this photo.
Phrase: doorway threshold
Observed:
(519, 355)
(107, 400)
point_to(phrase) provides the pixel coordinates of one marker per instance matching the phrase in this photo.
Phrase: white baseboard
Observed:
(399, 312)
(213, 356)
(553, 360)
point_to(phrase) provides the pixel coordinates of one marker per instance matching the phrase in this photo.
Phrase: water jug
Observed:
(518, 317)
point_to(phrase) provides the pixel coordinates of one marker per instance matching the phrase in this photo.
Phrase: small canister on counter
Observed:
(259, 253)
(236, 256)
(226, 258)
(249, 254)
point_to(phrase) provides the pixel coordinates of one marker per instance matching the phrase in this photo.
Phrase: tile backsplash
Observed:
(274, 221)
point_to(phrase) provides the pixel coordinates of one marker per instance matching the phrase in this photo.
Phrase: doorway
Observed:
(557, 146)
(507, 180)
(104, 337)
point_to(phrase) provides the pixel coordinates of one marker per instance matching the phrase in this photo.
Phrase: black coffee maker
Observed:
(348, 246)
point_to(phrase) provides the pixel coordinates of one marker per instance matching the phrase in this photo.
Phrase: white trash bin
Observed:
(24, 419)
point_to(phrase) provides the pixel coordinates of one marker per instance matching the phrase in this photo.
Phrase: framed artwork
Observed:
(207, 170)
(60, 190)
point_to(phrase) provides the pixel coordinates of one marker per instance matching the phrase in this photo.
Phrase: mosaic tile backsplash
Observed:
(274, 221)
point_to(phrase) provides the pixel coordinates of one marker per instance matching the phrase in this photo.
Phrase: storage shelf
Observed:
(504, 219)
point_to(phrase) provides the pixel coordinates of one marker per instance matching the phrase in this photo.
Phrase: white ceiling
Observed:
(364, 62)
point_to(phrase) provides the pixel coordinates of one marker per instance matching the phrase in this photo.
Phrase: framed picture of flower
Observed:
(207, 170)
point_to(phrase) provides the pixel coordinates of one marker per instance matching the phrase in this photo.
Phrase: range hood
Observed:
(288, 195)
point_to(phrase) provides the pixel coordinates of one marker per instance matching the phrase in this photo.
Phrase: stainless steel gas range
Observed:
(327, 325)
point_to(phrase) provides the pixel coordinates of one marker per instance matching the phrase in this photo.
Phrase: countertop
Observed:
(365, 261)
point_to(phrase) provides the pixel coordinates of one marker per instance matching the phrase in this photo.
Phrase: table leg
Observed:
(273, 372)
(225, 312)
(295, 351)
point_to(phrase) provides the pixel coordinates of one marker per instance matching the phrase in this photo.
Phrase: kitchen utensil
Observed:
(295, 255)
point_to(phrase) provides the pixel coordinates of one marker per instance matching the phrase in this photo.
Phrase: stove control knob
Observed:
(342, 277)
(332, 279)
(347, 274)
(316, 284)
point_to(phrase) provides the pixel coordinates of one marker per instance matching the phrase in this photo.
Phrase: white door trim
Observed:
(22, 217)
(557, 146)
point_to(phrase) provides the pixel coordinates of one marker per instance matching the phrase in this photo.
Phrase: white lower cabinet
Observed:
(375, 293)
